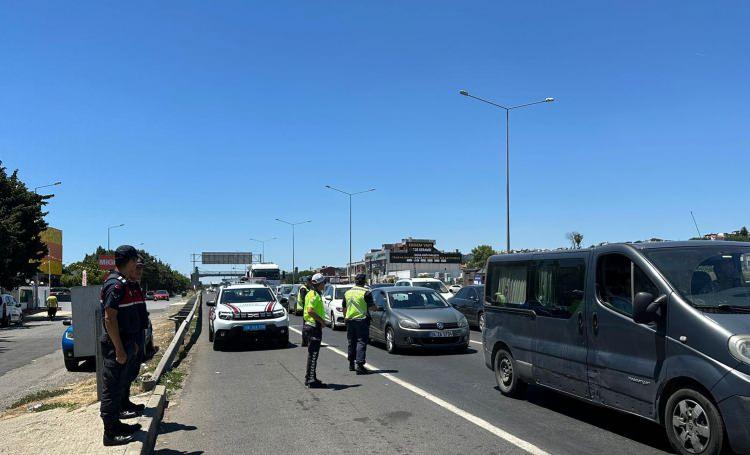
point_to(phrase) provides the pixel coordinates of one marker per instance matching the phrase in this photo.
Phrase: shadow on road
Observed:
(383, 371)
(625, 425)
(337, 387)
(171, 427)
(177, 452)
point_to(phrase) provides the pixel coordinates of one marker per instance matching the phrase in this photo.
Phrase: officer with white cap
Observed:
(314, 317)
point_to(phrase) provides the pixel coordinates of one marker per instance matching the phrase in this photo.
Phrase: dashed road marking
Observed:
(478, 421)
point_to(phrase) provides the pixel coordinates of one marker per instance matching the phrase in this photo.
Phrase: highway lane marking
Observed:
(478, 421)
(476, 342)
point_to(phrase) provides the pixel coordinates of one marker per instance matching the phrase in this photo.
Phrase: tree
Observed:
(480, 254)
(21, 225)
(575, 238)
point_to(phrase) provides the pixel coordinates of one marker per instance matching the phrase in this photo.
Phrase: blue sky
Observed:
(197, 123)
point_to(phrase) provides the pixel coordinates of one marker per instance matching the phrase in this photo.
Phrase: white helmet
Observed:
(318, 278)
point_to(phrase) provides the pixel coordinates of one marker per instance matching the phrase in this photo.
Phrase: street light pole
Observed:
(263, 247)
(47, 186)
(294, 271)
(507, 153)
(348, 271)
(109, 229)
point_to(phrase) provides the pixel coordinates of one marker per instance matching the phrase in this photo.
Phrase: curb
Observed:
(144, 440)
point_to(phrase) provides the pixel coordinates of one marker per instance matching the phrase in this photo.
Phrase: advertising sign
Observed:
(424, 251)
(52, 262)
(107, 262)
(226, 258)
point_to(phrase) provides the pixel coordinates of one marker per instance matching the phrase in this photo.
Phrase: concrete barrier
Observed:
(144, 440)
(165, 364)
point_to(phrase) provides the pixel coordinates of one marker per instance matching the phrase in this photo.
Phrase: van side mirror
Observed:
(646, 308)
(211, 303)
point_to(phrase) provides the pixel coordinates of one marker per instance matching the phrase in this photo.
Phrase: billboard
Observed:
(107, 262)
(424, 251)
(52, 262)
(226, 258)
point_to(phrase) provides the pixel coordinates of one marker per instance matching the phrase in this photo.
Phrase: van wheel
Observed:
(693, 424)
(390, 341)
(218, 345)
(71, 364)
(505, 374)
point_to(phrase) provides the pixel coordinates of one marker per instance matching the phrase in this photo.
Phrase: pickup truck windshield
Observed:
(707, 276)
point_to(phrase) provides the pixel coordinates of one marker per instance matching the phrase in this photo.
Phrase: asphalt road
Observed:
(31, 355)
(251, 400)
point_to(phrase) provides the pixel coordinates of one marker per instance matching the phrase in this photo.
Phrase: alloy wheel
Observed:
(691, 425)
(481, 323)
(389, 340)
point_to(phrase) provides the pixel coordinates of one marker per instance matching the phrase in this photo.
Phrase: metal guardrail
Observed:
(165, 364)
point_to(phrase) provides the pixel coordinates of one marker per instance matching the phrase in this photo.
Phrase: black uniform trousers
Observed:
(314, 335)
(133, 367)
(114, 379)
(358, 334)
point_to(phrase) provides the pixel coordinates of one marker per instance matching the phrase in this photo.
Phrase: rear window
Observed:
(340, 293)
(435, 285)
(247, 295)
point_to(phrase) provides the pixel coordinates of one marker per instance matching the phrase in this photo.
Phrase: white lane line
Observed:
(475, 342)
(478, 421)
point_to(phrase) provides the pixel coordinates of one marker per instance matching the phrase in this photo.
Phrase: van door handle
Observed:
(580, 323)
(595, 324)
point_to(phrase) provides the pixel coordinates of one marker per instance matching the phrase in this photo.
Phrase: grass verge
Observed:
(38, 396)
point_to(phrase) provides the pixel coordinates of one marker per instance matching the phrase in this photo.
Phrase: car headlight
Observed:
(463, 322)
(69, 335)
(225, 315)
(408, 324)
(278, 313)
(739, 346)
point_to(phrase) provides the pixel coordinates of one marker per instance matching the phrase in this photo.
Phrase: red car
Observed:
(161, 295)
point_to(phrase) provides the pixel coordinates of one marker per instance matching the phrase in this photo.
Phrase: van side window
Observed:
(618, 280)
(558, 287)
(507, 284)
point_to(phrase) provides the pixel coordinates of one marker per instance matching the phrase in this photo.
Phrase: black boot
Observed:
(124, 428)
(361, 369)
(351, 365)
(116, 439)
(130, 406)
(129, 414)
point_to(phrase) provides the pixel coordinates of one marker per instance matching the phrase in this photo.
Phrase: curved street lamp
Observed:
(507, 152)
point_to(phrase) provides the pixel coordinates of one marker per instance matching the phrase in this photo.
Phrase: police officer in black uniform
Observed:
(128, 409)
(121, 325)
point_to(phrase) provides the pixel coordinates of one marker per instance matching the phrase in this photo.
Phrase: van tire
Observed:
(71, 364)
(218, 344)
(677, 421)
(505, 374)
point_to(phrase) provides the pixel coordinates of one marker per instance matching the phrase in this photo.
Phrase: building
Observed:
(411, 258)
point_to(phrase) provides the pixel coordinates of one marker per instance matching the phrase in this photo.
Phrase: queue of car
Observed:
(657, 330)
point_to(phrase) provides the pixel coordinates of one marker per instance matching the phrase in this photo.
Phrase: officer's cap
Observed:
(124, 253)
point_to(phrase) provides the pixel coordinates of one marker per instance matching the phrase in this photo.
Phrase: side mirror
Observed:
(329, 298)
(211, 303)
(67, 322)
(646, 308)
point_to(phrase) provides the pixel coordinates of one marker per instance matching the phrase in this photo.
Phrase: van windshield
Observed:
(714, 276)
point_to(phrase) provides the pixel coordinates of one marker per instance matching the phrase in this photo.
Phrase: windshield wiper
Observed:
(725, 308)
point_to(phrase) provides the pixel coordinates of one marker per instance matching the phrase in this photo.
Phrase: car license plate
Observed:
(444, 334)
(253, 327)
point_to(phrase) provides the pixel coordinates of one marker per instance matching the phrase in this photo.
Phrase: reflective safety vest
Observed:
(356, 307)
(314, 301)
(300, 299)
(52, 301)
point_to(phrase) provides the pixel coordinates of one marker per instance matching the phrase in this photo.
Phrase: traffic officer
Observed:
(357, 320)
(51, 303)
(301, 294)
(121, 325)
(314, 317)
(128, 408)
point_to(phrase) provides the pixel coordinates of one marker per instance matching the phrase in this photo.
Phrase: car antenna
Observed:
(696, 224)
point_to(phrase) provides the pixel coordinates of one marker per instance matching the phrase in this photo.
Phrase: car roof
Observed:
(406, 288)
(421, 279)
(246, 286)
(643, 246)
